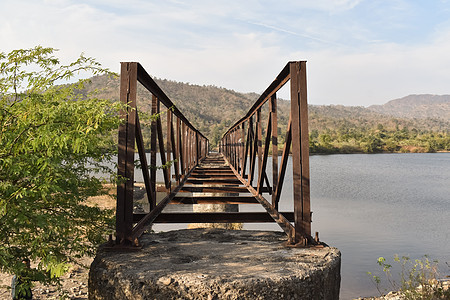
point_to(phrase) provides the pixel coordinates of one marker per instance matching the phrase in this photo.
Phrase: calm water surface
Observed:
(376, 205)
(380, 205)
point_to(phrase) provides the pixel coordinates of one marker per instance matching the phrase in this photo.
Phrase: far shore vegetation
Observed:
(378, 140)
(410, 125)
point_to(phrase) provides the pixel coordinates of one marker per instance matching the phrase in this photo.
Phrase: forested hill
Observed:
(333, 128)
(417, 106)
(211, 109)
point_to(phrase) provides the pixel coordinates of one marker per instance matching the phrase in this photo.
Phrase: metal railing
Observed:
(242, 145)
(183, 146)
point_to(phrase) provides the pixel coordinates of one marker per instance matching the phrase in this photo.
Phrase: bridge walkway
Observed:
(194, 176)
(214, 182)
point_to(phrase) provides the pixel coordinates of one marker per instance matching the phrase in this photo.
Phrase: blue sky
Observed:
(358, 52)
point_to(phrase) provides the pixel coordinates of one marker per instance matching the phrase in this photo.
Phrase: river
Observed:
(372, 205)
(381, 205)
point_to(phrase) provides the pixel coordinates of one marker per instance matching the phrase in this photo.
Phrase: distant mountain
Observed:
(416, 106)
(209, 103)
(214, 109)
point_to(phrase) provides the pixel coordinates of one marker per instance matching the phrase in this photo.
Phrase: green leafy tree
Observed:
(325, 142)
(373, 144)
(52, 140)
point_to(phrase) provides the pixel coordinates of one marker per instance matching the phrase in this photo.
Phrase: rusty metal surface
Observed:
(215, 217)
(274, 139)
(236, 176)
(232, 147)
(171, 149)
(124, 213)
(300, 150)
(213, 181)
(214, 200)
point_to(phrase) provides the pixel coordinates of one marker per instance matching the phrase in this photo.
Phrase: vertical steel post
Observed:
(179, 149)
(300, 152)
(239, 149)
(174, 151)
(197, 154)
(169, 143)
(252, 151)
(242, 149)
(233, 148)
(153, 150)
(246, 151)
(127, 131)
(259, 143)
(184, 147)
(169, 154)
(189, 149)
(273, 112)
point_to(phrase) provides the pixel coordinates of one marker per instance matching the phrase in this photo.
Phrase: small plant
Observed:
(418, 279)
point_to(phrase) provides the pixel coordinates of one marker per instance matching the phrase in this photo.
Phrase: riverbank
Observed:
(407, 149)
(396, 295)
(357, 150)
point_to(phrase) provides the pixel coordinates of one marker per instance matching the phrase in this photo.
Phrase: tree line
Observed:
(333, 128)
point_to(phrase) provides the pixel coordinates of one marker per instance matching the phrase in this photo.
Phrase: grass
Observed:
(417, 279)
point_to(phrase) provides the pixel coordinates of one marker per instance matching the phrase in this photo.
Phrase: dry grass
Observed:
(106, 201)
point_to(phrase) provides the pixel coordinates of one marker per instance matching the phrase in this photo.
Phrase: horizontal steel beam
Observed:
(215, 217)
(214, 200)
(213, 189)
(213, 181)
(216, 176)
(212, 170)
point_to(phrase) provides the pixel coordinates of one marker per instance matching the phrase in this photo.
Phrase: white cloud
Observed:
(237, 62)
(240, 45)
(379, 74)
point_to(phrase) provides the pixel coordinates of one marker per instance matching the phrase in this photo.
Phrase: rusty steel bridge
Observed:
(236, 175)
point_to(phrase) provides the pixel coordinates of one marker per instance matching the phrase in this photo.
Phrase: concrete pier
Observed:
(216, 264)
